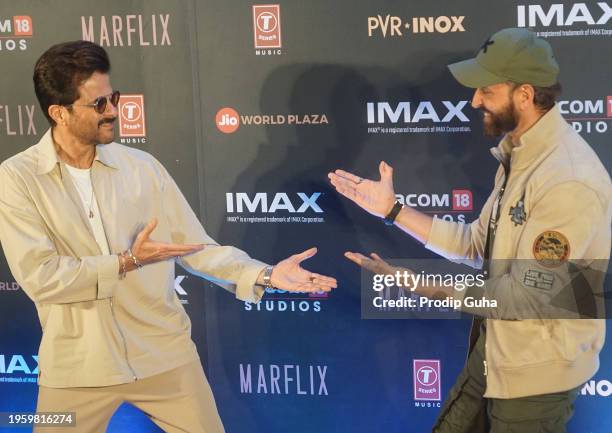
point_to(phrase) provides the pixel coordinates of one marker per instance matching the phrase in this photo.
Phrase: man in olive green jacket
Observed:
(549, 213)
(78, 215)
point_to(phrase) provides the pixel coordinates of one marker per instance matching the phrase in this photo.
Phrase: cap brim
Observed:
(470, 74)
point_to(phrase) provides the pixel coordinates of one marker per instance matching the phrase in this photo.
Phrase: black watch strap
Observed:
(395, 210)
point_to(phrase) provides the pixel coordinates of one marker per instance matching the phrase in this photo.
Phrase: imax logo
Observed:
(380, 112)
(259, 203)
(16, 364)
(532, 15)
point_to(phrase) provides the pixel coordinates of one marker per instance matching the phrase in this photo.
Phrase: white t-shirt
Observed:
(82, 181)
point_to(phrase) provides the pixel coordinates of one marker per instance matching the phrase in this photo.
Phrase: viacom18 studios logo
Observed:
(17, 119)
(276, 300)
(588, 19)
(427, 382)
(283, 379)
(449, 207)
(394, 26)
(267, 30)
(18, 368)
(423, 117)
(127, 30)
(15, 32)
(588, 116)
(132, 129)
(228, 120)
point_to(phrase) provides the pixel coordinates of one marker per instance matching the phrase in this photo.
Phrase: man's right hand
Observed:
(148, 251)
(376, 197)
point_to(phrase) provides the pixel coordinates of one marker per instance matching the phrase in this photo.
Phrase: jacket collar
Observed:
(49, 161)
(537, 142)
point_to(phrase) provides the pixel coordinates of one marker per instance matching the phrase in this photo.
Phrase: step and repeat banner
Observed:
(249, 106)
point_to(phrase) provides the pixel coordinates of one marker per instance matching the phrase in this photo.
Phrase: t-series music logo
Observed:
(15, 32)
(298, 208)
(394, 26)
(588, 116)
(565, 18)
(417, 117)
(283, 379)
(127, 30)
(132, 128)
(427, 382)
(449, 207)
(13, 368)
(267, 30)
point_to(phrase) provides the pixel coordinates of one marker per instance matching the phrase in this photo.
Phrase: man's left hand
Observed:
(290, 276)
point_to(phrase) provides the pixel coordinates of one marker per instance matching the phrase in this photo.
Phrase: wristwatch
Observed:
(267, 277)
(395, 210)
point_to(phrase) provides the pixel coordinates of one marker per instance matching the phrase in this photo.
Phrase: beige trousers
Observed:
(179, 400)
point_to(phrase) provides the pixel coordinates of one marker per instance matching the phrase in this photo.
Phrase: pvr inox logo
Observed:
(14, 31)
(259, 203)
(390, 25)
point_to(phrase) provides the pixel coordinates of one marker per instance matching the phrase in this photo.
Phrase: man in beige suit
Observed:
(91, 230)
(548, 214)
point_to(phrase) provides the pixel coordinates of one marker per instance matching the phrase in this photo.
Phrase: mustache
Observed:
(108, 120)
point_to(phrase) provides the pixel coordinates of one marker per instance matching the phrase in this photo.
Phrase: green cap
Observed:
(509, 55)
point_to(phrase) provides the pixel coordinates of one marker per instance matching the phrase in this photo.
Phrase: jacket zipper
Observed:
(486, 370)
(122, 339)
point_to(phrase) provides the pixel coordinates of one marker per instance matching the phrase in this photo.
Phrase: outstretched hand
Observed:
(149, 251)
(376, 197)
(290, 276)
(374, 263)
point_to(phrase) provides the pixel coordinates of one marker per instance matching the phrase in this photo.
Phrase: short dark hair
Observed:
(544, 98)
(62, 69)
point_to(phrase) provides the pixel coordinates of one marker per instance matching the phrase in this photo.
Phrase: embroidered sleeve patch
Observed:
(539, 279)
(551, 248)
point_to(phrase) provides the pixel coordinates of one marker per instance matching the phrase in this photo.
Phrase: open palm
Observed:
(376, 197)
(290, 276)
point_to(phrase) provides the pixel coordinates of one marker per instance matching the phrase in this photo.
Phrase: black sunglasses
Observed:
(100, 103)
